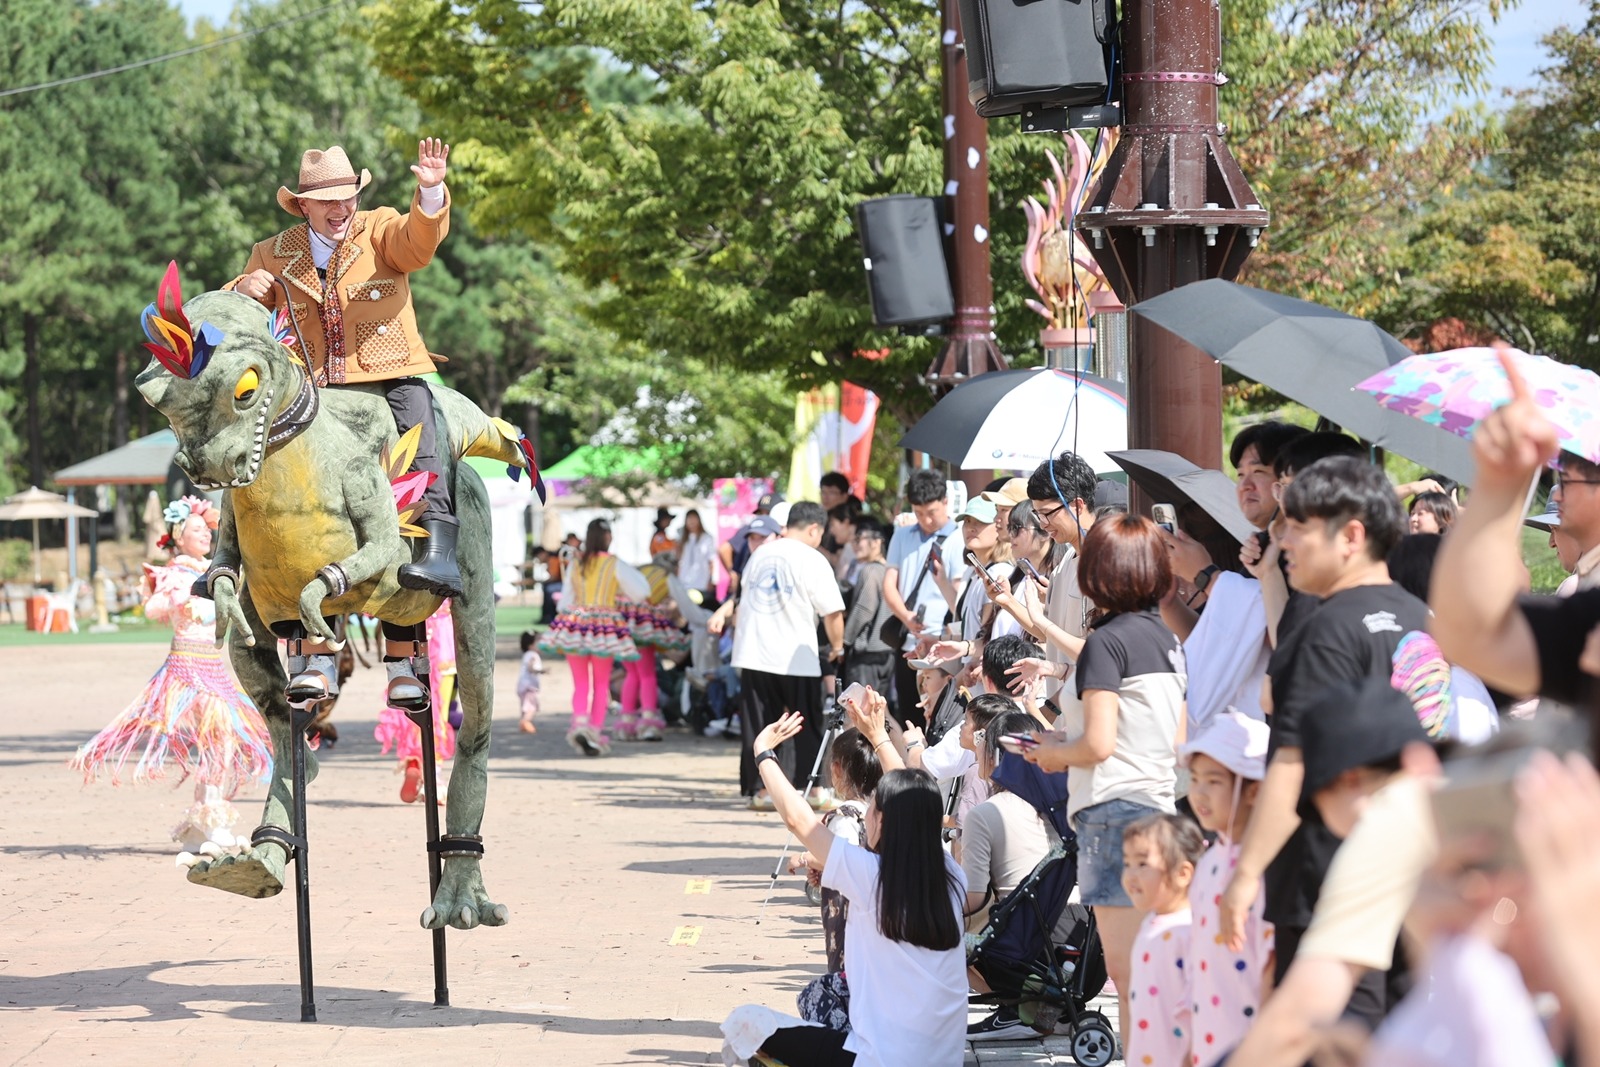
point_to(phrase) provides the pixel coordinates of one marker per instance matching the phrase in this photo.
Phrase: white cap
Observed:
(1234, 740)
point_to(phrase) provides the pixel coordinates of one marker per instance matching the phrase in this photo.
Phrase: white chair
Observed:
(66, 601)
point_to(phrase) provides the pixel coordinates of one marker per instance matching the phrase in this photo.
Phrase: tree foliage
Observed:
(1517, 252)
(713, 208)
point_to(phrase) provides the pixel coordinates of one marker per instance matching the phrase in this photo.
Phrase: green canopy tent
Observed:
(604, 461)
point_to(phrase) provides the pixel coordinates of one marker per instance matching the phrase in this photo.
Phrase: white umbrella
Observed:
(34, 504)
(1014, 420)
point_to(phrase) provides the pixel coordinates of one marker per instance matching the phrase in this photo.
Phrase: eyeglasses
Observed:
(1046, 516)
(1562, 479)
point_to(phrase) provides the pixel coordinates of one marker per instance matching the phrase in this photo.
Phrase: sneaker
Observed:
(761, 802)
(1003, 1025)
(716, 727)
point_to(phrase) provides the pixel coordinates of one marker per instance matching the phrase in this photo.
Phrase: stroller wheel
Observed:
(1094, 1043)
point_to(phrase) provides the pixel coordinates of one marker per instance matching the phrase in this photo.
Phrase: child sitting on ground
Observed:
(528, 681)
(1226, 761)
(1158, 860)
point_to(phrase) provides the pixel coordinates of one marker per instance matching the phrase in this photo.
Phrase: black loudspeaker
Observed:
(902, 238)
(1029, 54)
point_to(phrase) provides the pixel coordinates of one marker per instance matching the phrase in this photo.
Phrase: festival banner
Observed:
(834, 428)
(735, 500)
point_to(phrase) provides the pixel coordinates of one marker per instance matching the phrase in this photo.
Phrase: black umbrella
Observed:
(1168, 478)
(1309, 353)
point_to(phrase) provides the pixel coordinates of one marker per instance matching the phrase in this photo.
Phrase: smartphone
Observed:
(1018, 743)
(974, 562)
(1263, 538)
(1033, 572)
(1478, 799)
(855, 694)
(1166, 516)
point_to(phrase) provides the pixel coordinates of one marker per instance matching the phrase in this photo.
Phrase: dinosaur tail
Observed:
(475, 433)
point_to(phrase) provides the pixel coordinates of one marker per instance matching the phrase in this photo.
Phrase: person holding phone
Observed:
(909, 587)
(903, 929)
(1119, 745)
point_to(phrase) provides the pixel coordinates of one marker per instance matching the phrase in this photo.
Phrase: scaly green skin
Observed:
(323, 498)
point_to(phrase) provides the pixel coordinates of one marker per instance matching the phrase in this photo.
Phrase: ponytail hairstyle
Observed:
(596, 541)
(916, 890)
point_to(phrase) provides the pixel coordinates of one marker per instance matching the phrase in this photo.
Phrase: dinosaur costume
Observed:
(310, 530)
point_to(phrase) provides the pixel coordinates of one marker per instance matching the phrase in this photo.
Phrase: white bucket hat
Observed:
(1234, 740)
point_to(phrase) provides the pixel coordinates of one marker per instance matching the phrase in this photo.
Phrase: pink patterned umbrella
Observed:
(1456, 390)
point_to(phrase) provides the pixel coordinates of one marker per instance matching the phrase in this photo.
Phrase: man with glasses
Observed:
(1061, 493)
(1576, 498)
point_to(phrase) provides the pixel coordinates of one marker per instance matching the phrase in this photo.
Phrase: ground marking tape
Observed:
(685, 935)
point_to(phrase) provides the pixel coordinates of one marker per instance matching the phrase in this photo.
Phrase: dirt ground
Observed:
(633, 882)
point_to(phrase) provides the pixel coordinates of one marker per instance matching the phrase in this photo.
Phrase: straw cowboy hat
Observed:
(323, 176)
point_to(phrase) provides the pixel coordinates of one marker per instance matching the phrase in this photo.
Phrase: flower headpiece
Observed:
(181, 511)
(177, 346)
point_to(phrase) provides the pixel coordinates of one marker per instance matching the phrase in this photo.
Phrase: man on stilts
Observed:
(344, 272)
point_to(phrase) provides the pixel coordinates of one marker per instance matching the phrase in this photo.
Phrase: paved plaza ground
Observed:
(633, 883)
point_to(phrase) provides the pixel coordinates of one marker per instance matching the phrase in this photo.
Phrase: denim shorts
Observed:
(1100, 829)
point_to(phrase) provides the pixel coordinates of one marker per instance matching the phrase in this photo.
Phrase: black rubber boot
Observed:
(436, 572)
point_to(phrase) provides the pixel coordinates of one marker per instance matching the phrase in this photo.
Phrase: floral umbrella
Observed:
(1458, 389)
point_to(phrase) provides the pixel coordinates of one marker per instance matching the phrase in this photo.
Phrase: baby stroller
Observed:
(1049, 983)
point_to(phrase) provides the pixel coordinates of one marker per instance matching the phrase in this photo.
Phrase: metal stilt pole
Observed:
(430, 794)
(301, 718)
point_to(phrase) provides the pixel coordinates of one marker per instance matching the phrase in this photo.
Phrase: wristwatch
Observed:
(763, 755)
(1202, 581)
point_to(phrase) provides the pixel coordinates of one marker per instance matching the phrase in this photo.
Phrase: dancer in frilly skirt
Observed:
(191, 715)
(396, 731)
(656, 629)
(591, 632)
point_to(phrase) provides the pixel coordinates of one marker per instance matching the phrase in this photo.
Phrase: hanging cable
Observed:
(218, 43)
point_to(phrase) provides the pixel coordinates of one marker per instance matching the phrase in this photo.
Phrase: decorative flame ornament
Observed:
(1058, 264)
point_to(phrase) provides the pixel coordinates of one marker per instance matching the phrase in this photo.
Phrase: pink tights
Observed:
(639, 683)
(591, 689)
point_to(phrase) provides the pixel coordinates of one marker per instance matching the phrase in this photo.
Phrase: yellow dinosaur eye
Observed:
(245, 391)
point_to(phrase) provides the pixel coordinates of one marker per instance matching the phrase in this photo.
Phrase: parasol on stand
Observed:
(34, 504)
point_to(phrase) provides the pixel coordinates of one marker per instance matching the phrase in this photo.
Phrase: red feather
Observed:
(169, 298)
(168, 359)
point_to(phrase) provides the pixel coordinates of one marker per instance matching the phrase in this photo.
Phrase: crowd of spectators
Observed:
(1326, 791)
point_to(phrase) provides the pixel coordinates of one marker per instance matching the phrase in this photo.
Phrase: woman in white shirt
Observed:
(907, 967)
(696, 550)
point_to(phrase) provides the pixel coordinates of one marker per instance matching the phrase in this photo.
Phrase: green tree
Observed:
(1517, 252)
(91, 166)
(1342, 114)
(716, 209)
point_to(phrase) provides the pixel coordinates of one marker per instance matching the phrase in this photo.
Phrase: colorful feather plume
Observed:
(282, 328)
(408, 485)
(176, 345)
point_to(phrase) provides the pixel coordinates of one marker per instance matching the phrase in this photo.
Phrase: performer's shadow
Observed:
(102, 995)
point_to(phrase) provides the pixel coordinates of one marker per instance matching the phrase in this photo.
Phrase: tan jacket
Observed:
(369, 269)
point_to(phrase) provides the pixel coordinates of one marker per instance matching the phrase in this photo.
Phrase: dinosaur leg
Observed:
(259, 872)
(461, 900)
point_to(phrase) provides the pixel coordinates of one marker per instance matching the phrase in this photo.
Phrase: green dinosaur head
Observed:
(221, 414)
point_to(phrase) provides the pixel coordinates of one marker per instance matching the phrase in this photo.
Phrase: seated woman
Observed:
(1002, 841)
(908, 981)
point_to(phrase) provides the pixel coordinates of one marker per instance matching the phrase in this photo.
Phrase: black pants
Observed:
(763, 698)
(809, 1046)
(411, 403)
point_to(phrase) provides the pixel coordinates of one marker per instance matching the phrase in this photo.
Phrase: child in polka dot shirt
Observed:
(1158, 858)
(1226, 761)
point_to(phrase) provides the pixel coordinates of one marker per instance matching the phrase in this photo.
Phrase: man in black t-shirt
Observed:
(1342, 517)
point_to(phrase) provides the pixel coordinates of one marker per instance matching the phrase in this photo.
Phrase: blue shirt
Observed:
(908, 550)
